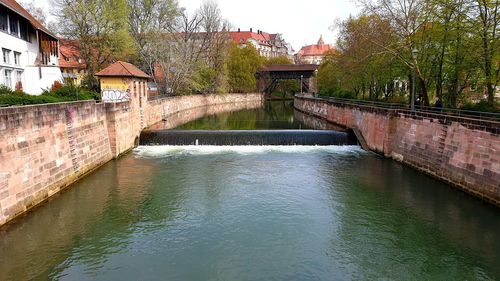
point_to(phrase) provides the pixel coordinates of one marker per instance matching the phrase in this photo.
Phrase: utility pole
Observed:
(415, 56)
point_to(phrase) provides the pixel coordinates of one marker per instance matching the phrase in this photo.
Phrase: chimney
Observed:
(239, 30)
(251, 29)
(258, 31)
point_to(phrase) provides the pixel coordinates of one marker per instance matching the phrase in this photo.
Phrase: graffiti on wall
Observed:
(115, 95)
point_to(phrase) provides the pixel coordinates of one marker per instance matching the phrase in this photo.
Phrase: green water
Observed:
(255, 213)
(274, 115)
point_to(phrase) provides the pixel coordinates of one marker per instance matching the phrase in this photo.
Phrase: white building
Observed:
(268, 45)
(29, 58)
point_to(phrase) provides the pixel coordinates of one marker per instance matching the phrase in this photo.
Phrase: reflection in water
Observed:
(186, 116)
(274, 115)
(235, 213)
(255, 213)
(316, 123)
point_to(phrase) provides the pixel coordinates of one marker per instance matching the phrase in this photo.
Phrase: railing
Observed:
(490, 116)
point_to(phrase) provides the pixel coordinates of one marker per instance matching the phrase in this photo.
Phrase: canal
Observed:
(255, 213)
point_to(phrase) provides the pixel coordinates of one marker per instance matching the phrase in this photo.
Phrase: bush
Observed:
(397, 99)
(4, 90)
(56, 86)
(24, 99)
(72, 92)
(65, 93)
(483, 106)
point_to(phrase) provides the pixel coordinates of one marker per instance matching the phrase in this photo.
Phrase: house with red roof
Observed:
(269, 45)
(313, 54)
(123, 81)
(71, 62)
(30, 52)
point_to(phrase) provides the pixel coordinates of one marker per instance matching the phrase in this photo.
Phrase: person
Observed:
(438, 105)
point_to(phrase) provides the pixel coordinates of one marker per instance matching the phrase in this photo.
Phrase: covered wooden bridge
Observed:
(269, 76)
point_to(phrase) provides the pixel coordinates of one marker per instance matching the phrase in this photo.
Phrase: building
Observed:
(123, 81)
(268, 45)
(30, 52)
(313, 54)
(71, 63)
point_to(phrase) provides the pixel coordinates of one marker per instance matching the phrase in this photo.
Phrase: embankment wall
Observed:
(45, 148)
(461, 151)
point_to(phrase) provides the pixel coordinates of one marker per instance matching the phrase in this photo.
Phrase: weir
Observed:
(246, 137)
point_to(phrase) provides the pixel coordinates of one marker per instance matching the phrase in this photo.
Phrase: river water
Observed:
(255, 213)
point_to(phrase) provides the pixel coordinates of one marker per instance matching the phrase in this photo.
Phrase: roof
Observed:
(71, 56)
(243, 36)
(315, 50)
(122, 69)
(17, 8)
(290, 67)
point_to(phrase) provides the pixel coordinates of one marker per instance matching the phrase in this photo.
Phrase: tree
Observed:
(278, 60)
(285, 86)
(101, 28)
(192, 49)
(406, 18)
(486, 18)
(359, 66)
(148, 20)
(35, 11)
(243, 63)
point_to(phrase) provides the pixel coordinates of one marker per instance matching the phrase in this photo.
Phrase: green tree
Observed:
(486, 18)
(286, 86)
(243, 63)
(100, 26)
(328, 79)
(278, 60)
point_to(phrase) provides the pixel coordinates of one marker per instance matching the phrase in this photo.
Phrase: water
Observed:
(255, 213)
(274, 115)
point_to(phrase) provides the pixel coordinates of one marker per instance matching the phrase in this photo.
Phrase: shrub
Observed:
(72, 92)
(56, 86)
(483, 106)
(4, 90)
(24, 99)
(397, 99)
(64, 93)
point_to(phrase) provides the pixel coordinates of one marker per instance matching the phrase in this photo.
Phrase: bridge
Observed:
(269, 76)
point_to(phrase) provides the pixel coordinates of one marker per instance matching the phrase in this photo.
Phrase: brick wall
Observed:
(45, 148)
(461, 151)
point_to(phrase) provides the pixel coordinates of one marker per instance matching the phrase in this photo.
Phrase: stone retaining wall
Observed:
(45, 148)
(463, 152)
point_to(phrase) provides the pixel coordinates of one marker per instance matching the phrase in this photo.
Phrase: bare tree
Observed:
(148, 21)
(193, 52)
(37, 11)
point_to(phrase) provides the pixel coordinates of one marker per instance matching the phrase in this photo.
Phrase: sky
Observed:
(301, 22)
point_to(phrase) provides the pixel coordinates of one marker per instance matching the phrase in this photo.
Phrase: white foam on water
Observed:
(167, 150)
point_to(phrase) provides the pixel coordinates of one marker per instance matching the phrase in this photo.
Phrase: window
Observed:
(17, 58)
(19, 80)
(3, 20)
(23, 31)
(13, 24)
(6, 56)
(7, 79)
(19, 76)
(67, 59)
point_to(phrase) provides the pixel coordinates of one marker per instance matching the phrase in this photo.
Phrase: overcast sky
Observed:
(300, 21)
